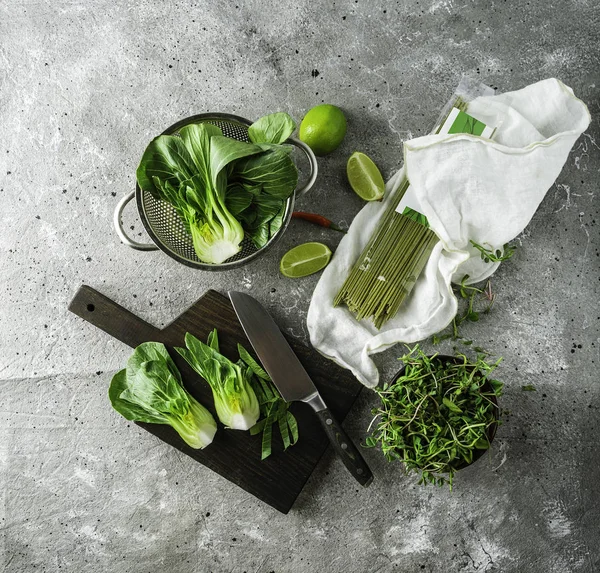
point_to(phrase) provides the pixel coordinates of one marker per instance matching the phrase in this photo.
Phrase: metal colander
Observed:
(167, 230)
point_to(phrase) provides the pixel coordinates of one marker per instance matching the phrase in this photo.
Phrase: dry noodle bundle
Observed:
(390, 264)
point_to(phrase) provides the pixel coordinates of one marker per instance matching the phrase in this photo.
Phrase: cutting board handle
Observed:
(107, 315)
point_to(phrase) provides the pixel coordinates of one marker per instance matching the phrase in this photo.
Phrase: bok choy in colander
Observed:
(221, 188)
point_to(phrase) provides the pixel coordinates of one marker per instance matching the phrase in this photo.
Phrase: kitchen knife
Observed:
(292, 380)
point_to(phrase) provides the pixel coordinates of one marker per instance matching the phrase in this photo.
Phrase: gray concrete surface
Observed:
(84, 84)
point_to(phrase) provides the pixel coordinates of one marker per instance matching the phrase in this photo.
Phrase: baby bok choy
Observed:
(235, 400)
(150, 390)
(221, 188)
(188, 172)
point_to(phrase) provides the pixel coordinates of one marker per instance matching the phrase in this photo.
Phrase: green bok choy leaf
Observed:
(272, 128)
(273, 408)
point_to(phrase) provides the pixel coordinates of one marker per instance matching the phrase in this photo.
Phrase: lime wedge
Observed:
(304, 260)
(364, 177)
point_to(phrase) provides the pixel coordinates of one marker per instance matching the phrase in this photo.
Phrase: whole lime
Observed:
(323, 128)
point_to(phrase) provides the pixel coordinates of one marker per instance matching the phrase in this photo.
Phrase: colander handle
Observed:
(121, 232)
(312, 160)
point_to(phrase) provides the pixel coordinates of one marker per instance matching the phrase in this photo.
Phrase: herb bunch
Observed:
(438, 415)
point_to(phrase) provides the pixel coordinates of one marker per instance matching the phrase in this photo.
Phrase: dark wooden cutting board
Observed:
(233, 454)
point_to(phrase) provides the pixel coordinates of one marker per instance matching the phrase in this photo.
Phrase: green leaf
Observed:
(284, 431)
(482, 443)
(248, 217)
(213, 340)
(169, 193)
(370, 442)
(197, 138)
(293, 426)
(130, 410)
(267, 390)
(154, 386)
(251, 189)
(260, 236)
(252, 364)
(266, 440)
(225, 150)
(267, 207)
(276, 222)
(193, 193)
(258, 427)
(237, 199)
(529, 388)
(497, 386)
(272, 128)
(273, 169)
(150, 351)
(168, 159)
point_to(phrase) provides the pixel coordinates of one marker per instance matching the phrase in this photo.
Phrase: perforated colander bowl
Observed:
(164, 225)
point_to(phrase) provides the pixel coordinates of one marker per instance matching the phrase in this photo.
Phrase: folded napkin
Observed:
(469, 188)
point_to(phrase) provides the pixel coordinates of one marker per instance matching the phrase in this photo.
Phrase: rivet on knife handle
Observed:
(345, 449)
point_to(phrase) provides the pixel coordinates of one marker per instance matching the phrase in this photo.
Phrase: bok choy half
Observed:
(221, 188)
(235, 400)
(150, 390)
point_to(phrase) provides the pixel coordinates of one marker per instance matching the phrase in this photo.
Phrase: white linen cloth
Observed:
(468, 187)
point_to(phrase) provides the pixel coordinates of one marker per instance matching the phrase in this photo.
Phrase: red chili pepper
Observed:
(317, 220)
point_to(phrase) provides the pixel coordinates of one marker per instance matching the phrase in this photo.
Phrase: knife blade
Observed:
(292, 380)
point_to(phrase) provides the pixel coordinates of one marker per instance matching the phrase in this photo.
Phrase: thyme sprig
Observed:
(437, 415)
(478, 301)
(488, 254)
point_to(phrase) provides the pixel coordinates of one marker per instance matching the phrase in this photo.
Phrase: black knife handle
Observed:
(345, 449)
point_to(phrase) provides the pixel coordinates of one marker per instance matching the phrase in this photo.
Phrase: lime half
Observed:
(364, 177)
(304, 260)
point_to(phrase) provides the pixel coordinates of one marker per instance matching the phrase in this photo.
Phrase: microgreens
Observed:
(438, 415)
